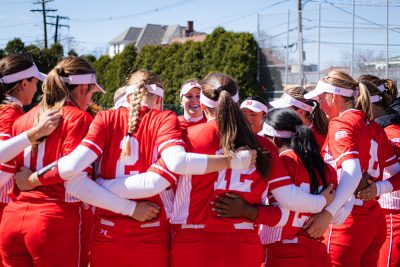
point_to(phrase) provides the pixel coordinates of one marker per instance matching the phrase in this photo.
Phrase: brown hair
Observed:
(316, 115)
(342, 79)
(9, 65)
(141, 78)
(232, 125)
(390, 92)
(55, 90)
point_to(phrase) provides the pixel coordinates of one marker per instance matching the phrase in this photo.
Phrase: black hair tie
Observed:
(220, 89)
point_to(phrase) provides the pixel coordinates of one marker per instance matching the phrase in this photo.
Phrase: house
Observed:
(154, 34)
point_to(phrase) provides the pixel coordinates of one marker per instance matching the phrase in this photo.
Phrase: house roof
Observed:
(129, 35)
(152, 34)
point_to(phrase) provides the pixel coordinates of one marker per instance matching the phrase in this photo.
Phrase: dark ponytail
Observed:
(302, 142)
(304, 145)
(233, 128)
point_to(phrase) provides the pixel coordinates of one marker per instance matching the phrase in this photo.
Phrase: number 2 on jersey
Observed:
(125, 166)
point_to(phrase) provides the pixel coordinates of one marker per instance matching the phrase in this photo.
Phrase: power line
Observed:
(357, 16)
(44, 12)
(149, 11)
(248, 14)
(58, 25)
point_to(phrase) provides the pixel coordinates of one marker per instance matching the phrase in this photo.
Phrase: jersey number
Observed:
(125, 167)
(234, 180)
(373, 165)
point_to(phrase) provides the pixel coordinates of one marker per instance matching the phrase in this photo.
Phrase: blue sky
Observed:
(95, 22)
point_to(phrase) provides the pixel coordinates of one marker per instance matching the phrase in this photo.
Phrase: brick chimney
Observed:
(189, 30)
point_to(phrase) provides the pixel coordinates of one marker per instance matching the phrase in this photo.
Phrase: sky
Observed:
(93, 23)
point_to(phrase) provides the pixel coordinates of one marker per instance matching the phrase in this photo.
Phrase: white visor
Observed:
(270, 131)
(24, 74)
(151, 88)
(254, 106)
(381, 87)
(287, 101)
(211, 103)
(374, 98)
(187, 87)
(83, 79)
(323, 87)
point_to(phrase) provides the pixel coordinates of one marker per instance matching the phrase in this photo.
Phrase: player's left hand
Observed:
(232, 205)
(317, 224)
(368, 193)
(23, 179)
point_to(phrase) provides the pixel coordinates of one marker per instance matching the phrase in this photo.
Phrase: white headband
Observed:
(187, 87)
(374, 98)
(83, 79)
(24, 74)
(323, 87)
(151, 88)
(287, 101)
(211, 103)
(381, 87)
(254, 105)
(270, 131)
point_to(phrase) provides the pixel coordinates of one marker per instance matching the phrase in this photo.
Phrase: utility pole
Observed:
(300, 41)
(58, 25)
(44, 12)
(258, 49)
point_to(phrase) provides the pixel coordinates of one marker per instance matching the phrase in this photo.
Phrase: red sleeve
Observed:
(343, 142)
(170, 133)
(95, 138)
(268, 215)
(161, 169)
(395, 181)
(76, 130)
(278, 176)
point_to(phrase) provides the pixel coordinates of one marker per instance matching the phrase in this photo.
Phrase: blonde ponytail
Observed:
(133, 117)
(363, 102)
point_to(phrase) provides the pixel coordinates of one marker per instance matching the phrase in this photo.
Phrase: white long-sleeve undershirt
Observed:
(10, 148)
(350, 178)
(83, 188)
(293, 198)
(142, 185)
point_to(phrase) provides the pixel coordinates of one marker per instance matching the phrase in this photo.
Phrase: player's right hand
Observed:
(22, 179)
(145, 211)
(244, 159)
(48, 122)
(329, 194)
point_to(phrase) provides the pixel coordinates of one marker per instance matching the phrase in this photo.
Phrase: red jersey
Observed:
(352, 136)
(392, 200)
(393, 133)
(155, 131)
(61, 142)
(296, 220)
(195, 192)
(8, 114)
(319, 137)
(185, 123)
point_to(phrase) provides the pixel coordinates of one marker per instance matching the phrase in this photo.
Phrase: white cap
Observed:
(151, 88)
(254, 106)
(187, 87)
(323, 87)
(287, 101)
(83, 79)
(23, 74)
(375, 98)
(212, 103)
(270, 131)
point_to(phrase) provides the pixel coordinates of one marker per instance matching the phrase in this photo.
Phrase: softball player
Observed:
(308, 110)
(255, 110)
(355, 145)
